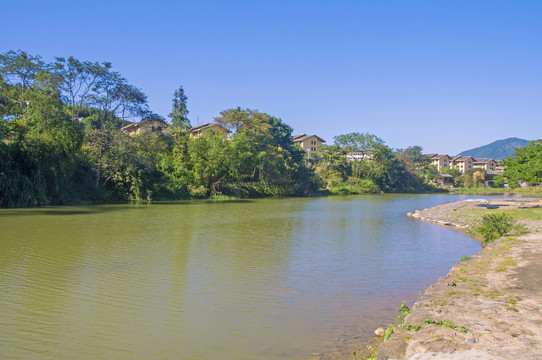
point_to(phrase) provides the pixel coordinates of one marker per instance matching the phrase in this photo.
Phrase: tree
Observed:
(178, 115)
(114, 97)
(524, 165)
(431, 173)
(20, 68)
(361, 143)
(385, 169)
(454, 172)
(207, 158)
(413, 158)
(246, 120)
(358, 142)
(50, 143)
(332, 166)
(78, 78)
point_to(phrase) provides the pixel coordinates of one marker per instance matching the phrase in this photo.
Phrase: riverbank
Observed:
(487, 307)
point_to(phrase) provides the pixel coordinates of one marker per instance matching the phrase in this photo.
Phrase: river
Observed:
(248, 279)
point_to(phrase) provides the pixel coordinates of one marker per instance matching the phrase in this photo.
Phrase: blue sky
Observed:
(445, 75)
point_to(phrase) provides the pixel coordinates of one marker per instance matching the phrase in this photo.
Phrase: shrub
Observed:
(493, 226)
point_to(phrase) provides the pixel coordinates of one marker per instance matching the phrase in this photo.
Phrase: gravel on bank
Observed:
(487, 307)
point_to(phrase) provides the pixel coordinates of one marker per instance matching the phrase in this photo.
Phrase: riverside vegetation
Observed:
(61, 143)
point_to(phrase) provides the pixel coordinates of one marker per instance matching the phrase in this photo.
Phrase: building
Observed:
(446, 180)
(359, 155)
(147, 126)
(441, 161)
(309, 143)
(486, 164)
(214, 128)
(489, 177)
(462, 163)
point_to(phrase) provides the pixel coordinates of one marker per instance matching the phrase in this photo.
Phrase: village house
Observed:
(445, 180)
(441, 161)
(214, 128)
(309, 143)
(147, 126)
(359, 155)
(486, 164)
(462, 163)
(489, 177)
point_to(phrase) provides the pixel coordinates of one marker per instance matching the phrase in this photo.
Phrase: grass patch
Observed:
(445, 323)
(506, 264)
(511, 303)
(441, 302)
(499, 191)
(493, 294)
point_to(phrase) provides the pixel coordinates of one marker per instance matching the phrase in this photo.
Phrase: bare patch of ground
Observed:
(488, 307)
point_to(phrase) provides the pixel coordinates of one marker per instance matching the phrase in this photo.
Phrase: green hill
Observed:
(497, 150)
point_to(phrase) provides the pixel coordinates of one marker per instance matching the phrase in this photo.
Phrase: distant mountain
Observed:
(497, 150)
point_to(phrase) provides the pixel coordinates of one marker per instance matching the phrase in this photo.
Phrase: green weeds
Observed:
(493, 226)
(445, 323)
(399, 320)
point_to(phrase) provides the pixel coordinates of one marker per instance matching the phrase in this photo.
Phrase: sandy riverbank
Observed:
(487, 307)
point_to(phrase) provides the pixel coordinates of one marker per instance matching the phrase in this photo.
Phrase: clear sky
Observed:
(447, 75)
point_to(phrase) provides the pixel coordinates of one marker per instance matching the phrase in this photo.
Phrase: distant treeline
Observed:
(63, 145)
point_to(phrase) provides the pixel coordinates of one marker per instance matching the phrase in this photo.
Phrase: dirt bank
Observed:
(487, 307)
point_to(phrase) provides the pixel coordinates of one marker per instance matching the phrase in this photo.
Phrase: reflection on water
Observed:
(258, 279)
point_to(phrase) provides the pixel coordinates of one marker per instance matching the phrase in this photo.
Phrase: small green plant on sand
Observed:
(399, 320)
(464, 258)
(445, 323)
(493, 226)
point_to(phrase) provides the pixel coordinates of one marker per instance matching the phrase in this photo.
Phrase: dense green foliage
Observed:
(62, 144)
(374, 168)
(493, 226)
(524, 165)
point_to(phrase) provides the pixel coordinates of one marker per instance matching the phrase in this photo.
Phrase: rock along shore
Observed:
(487, 307)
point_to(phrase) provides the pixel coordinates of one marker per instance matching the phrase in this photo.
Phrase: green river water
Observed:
(247, 279)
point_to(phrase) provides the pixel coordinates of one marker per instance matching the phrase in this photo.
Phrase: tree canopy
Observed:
(63, 144)
(524, 165)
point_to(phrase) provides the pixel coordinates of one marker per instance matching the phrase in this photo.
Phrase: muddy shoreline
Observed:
(487, 307)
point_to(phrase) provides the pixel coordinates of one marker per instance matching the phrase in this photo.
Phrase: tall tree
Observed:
(113, 96)
(20, 68)
(179, 113)
(78, 78)
(359, 142)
